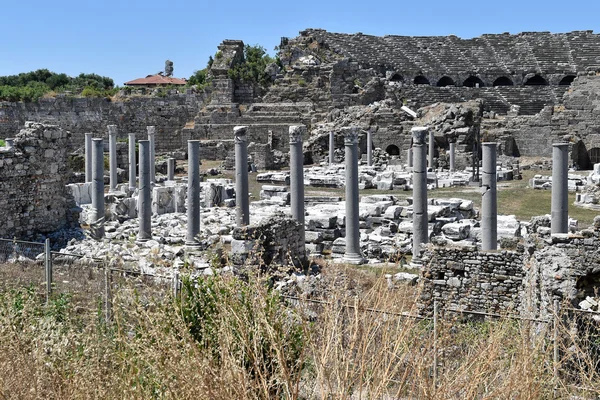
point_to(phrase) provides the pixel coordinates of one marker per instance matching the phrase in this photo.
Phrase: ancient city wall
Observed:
(169, 114)
(33, 175)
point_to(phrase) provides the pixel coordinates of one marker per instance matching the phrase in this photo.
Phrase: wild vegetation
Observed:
(31, 86)
(229, 338)
(253, 68)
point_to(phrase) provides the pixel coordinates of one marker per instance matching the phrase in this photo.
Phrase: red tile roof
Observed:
(157, 79)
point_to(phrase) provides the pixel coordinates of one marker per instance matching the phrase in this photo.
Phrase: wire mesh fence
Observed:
(22, 264)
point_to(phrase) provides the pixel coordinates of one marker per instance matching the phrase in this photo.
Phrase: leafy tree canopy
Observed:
(253, 68)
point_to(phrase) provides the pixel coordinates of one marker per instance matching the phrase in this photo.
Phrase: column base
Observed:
(354, 259)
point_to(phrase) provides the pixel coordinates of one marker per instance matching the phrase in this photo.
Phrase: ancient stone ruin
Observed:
(359, 112)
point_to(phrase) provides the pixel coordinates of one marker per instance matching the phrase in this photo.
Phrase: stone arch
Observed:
(473, 81)
(392, 150)
(421, 80)
(567, 80)
(396, 78)
(503, 81)
(594, 154)
(536, 80)
(580, 156)
(445, 81)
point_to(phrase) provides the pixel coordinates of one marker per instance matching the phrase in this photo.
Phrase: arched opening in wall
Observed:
(392, 150)
(473, 81)
(594, 154)
(421, 80)
(396, 78)
(567, 80)
(536, 80)
(445, 81)
(580, 156)
(503, 81)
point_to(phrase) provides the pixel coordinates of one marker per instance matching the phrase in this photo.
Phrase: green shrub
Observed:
(252, 69)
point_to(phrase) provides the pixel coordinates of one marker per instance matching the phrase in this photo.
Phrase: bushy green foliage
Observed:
(253, 68)
(198, 78)
(31, 86)
(247, 320)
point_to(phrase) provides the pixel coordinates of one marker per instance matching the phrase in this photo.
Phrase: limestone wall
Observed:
(33, 176)
(131, 114)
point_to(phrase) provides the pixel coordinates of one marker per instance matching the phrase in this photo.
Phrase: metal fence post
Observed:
(107, 293)
(48, 265)
(435, 337)
(176, 284)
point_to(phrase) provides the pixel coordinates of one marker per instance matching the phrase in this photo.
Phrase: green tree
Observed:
(253, 68)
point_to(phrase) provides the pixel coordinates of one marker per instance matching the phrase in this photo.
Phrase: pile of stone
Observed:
(576, 183)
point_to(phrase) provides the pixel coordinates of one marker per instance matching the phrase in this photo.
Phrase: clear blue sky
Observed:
(129, 39)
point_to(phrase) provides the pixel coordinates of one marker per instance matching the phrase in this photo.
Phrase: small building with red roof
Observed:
(156, 80)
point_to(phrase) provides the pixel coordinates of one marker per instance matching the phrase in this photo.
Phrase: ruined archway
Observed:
(396, 78)
(393, 150)
(580, 156)
(536, 80)
(503, 81)
(594, 155)
(445, 81)
(567, 80)
(473, 81)
(420, 80)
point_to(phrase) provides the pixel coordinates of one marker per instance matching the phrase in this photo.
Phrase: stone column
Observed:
(452, 152)
(297, 178)
(409, 157)
(352, 254)
(369, 148)
(88, 157)
(431, 150)
(151, 134)
(171, 169)
(420, 218)
(489, 202)
(331, 148)
(145, 193)
(193, 193)
(9, 143)
(560, 188)
(132, 160)
(97, 220)
(241, 176)
(112, 156)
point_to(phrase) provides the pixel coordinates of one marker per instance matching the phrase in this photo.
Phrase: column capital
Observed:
(239, 134)
(350, 135)
(151, 130)
(112, 130)
(419, 134)
(296, 133)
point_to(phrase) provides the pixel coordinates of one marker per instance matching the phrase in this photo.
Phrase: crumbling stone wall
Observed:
(273, 242)
(33, 175)
(467, 279)
(169, 114)
(526, 280)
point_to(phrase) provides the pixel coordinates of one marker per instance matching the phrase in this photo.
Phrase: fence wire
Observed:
(21, 264)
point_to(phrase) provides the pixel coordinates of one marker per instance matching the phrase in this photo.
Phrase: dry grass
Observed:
(228, 339)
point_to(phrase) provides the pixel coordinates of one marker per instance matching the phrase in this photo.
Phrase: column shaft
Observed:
(352, 254)
(88, 157)
(489, 202)
(420, 218)
(297, 177)
(369, 148)
(193, 193)
(112, 156)
(151, 137)
(452, 150)
(241, 176)
(132, 162)
(431, 149)
(171, 169)
(331, 148)
(145, 193)
(97, 223)
(560, 188)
